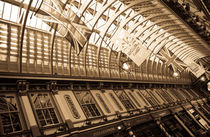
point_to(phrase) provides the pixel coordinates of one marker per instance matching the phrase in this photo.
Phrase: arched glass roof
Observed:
(104, 23)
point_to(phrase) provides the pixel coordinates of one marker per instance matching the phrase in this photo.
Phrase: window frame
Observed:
(128, 99)
(96, 105)
(135, 100)
(19, 112)
(54, 106)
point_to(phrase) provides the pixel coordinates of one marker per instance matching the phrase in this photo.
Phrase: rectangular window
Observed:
(149, 98)
(142, 98)
(177, 94)
(186, 94)
(124, 99)
(44, 108)
(149, 91)
(88, 104)
(9, 115)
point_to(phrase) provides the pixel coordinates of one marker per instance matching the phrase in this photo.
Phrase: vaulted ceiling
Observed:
(163, 33)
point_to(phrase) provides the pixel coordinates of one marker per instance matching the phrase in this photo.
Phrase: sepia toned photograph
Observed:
(104, 68)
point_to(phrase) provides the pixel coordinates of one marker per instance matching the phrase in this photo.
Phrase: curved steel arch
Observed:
(175, 42)
(171, 31)
(183, 50)
(183, 38)
(139, 23)
(167, 38)
(184, 41)
(133, 16)
(83, 8)
(109, 23)
(190, 44)
(150, 33)
(151, 43)
(94, 22)
(188, 54)
(139, 33)
(22, 35)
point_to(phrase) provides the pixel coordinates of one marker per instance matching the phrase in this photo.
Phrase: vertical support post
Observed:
(85, 59)
(202, 115)
(52, 47)
(22, 87)
(183, 125)
(8, 47)
(118, 62)
(22, 35)
(70, 50)
(109, 61)
(159, 123)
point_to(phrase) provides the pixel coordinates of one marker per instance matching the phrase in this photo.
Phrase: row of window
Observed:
(46, 113)
(37, 58)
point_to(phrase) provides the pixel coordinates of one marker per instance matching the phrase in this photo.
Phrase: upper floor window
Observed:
(115, 101)
(9, 115)
(44, 108)
(166, 96)
(149, 98)
(153, 97)
(88, 104)
(142, 98)
(124, 99)
(138, 104)
(72, 107)
(103, 103)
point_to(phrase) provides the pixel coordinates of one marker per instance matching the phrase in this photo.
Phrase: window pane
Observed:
(44, 108)
(9, 115)
(88, 104)
(125, 100)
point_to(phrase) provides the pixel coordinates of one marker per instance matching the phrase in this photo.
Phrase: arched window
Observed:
(103, 103)
(72, 107)
(115, 101)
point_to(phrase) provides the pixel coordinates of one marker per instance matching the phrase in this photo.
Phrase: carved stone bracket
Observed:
(22, 87)
(53, 87)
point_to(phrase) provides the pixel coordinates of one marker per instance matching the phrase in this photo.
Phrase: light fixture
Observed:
(202, 78)
(126, 66)
(176, 74)
(130, 132)
(208, 86)
(119, 127)
(88, 122)
(105, 118)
